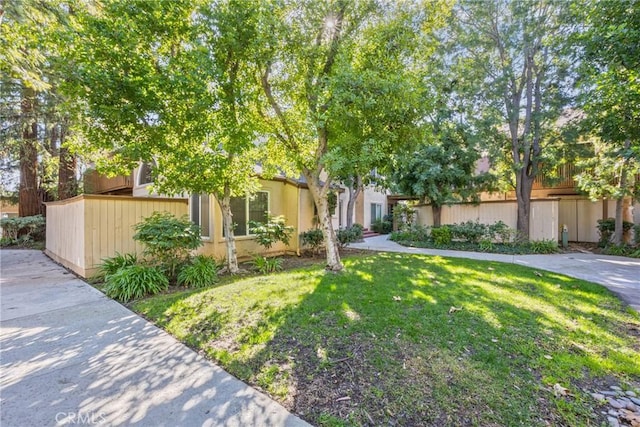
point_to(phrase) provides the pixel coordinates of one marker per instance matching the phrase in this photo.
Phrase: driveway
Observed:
(621, 275)
(71, 356)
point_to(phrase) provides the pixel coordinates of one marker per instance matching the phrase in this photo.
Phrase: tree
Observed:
(510, 57)
(31, 113)
(441, 169)
(315, 50)
(609, 38)
(173, 82)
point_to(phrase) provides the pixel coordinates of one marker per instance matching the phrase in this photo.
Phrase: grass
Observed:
(414, 340)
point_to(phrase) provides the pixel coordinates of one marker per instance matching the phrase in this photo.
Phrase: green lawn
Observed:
(414, 340)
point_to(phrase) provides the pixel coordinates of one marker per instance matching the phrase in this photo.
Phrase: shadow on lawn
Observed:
(414, 340)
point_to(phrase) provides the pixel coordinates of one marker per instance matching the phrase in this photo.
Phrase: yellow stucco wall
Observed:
(285, 198)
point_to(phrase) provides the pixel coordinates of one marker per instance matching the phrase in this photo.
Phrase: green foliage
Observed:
(636, 234)
(499, 231)
(135, 281)
(200, 272)
(23, 229)
(441, 235)
(470, 231)
(606, 228)
(544, 246)
(382, 226)
(266, 265)
(274, 231)
(312, 238)
(404, 215)
(349, 235)
(110, 266)
(168, 240)
(413, 233)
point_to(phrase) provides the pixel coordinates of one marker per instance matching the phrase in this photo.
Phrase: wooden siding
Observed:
(95, 183)
(543, 222)
(86, 229)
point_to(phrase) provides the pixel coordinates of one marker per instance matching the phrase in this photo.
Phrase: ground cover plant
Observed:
(401, 339)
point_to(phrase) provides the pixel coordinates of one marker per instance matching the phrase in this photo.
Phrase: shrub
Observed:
(349, 235)
(470, 231)
(382, 226)
(266, 265)
(414, 233)
(500, 231)
(168, 240)
(111, 265)
(23, 229)
(441, 236)
(312, 238)
(486, 245)
(200, 272)
(545, 246)
(274, 231)
(404, 215)
(606, 228)
(135, 281)
(636, 234)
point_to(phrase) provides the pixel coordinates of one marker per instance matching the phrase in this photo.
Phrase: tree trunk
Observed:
(319, 194)
(354, 191)
(524, 185)
(618, 233)
(29, 202)
(67, 184)
(227, 223)
(437, 215)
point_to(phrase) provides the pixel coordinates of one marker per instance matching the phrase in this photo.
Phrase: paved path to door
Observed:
(621, 275)
(70, 356)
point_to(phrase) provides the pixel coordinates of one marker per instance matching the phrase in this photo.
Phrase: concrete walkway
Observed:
(621, 275)
(70, 356)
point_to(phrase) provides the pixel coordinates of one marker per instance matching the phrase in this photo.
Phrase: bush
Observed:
(545, 246)
(441, 236)
(349, 235)
(414, 233)
(636, 234)
(470, 231)
(382, 226)
(200, 272)
(499, 231)
(312, 239)
(168, 240)
(23, 229)
(266, 265)
(274, 231)
(606, 228)
(135, 281)
(110, 266)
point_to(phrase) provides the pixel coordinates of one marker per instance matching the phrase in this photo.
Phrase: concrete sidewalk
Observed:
(621, 275)
(71, 356)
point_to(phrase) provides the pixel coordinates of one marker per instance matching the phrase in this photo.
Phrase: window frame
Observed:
(143, 165)
(192, 204)
(247, 201)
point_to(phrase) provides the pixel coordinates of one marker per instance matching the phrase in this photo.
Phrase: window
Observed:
(145, 175)
(200, 213)
(376, 212)
(245, 209)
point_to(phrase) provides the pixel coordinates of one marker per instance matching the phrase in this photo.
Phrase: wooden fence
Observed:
(83, 230)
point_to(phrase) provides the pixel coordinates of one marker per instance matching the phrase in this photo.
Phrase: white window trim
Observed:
(199, 223)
